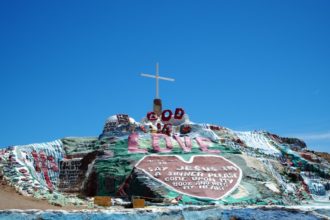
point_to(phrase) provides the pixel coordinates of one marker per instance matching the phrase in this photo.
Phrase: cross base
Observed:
(158, 107)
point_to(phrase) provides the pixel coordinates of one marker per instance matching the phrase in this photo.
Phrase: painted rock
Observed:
(203, 176)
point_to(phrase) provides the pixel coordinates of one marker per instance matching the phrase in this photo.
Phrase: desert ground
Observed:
(10, 199)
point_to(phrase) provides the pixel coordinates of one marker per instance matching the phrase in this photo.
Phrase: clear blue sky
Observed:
(65, 66)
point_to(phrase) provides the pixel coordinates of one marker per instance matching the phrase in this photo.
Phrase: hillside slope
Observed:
(169, 161)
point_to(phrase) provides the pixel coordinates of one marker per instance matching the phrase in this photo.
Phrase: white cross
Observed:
(157, 77)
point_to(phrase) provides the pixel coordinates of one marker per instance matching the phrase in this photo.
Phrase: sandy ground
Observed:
(10, 199)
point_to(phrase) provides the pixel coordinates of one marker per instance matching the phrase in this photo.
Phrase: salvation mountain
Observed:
(167, 159)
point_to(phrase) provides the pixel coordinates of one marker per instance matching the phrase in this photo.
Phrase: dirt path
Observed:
(10, 199)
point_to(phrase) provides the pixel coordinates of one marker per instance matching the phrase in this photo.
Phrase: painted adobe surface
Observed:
(203, 176)
(272, 170)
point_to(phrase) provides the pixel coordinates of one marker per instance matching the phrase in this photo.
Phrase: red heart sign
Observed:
(203, 176)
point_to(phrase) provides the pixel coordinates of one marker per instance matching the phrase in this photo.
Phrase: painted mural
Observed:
(168, 159)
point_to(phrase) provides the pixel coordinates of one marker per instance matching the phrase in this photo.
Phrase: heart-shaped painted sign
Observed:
(203, 176)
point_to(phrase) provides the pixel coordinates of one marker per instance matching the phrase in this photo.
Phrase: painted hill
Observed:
(170, 160)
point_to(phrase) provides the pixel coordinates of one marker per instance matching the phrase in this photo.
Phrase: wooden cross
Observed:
(157, 77)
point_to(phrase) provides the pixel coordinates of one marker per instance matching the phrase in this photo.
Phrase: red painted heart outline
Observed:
(210, 160)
